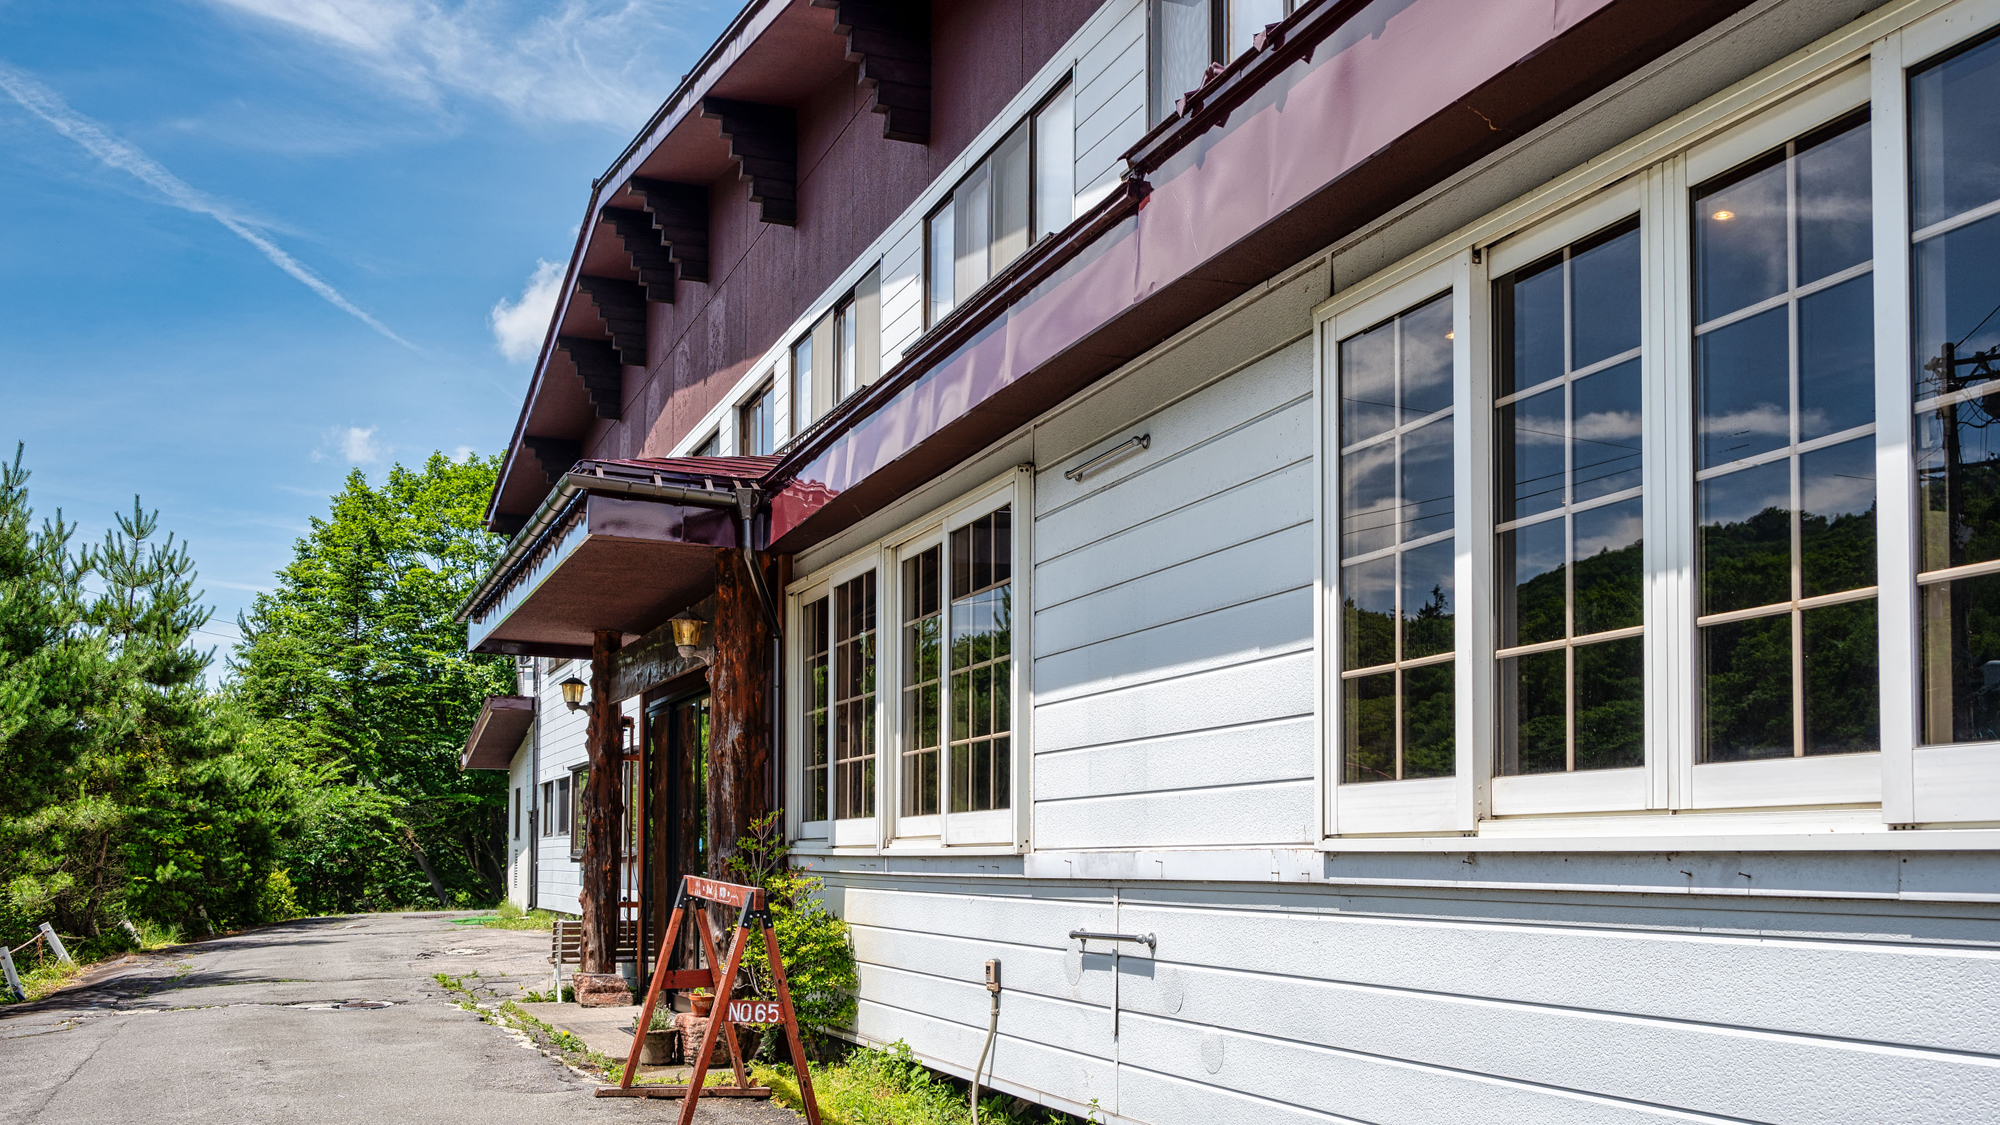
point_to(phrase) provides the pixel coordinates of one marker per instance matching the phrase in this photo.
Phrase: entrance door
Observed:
(676, 813)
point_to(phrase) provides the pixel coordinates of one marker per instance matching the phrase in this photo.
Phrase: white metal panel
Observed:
(1240, 693)
(1234, 514)
(1253, 631)
(1235, 575)
(1284, 753)
(1930, 996)
(1261, 445)
(1763, 1076)
(1272, 812)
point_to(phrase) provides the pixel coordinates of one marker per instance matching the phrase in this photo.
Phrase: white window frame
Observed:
(1863, 64)
(987, 831)
(1426, 805)
(797, 598)
(1833, 779)
(1580, 790)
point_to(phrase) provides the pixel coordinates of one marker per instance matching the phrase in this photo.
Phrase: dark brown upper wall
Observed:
(852, 184)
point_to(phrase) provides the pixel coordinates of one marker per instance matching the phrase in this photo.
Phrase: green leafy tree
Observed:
(356, 669)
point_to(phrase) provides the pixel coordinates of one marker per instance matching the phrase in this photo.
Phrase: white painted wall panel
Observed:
(1286, 1003)
(1226, 815)
(1223, 697)
(1235, 575)
(1255, 631)
(902, 294)
(1284, 750)
(1928, 996)
(1111, 98)
(1233, 515)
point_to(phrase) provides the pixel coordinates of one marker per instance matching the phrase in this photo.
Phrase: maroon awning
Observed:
(620, 545)
(498, 732)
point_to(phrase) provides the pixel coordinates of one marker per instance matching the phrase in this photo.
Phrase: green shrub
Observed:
(812, 940)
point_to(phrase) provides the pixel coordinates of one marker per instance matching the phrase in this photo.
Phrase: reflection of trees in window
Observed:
(818, 692)
(1571, 647)
(1396, 584)
(1785, 458)
(1955, 270)
(854, 698)
(982, 620)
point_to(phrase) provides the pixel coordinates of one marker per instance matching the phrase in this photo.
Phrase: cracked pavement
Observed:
(247, 1028)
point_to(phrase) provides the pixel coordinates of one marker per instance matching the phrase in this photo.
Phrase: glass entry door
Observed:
(673, 808)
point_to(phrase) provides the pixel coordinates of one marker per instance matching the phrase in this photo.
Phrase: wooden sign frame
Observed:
(720, 978)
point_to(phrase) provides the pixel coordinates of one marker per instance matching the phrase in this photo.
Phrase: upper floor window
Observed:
(710, 447)
(805, 388)
(1955, 278)
(756, 420)
(1189, 35)
(847, 350)
(1026, 184)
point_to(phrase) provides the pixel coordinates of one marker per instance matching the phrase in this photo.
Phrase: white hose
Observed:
(992, 1025)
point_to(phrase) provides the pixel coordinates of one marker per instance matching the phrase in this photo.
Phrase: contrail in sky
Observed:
(49, 106)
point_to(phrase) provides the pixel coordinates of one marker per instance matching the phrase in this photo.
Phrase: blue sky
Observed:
(246, 245)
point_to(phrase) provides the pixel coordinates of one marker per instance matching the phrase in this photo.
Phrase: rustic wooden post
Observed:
(739, 739)
(601, 814)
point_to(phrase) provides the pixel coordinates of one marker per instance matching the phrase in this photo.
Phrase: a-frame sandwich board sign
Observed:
(720, 978)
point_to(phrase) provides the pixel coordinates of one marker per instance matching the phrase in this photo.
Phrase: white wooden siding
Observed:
(557, 878)
(1173, 610)
(1110, 96)
(1287, 1003)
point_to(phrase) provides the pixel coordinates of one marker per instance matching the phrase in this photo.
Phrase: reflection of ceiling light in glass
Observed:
(1451, 335)
(1724, 216)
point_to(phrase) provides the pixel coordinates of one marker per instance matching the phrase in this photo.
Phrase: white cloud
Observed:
(594, 61)
(520, 326)
(46, 104)
(353, 445)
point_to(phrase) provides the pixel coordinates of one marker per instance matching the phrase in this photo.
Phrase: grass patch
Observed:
(888, 1086)
(511, 917)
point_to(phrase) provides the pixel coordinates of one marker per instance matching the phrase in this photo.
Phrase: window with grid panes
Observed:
(981, 621)
(1396, 577)
(1570, 643)
(1954, 106)
(817, 685)
(854, 697)
(1785, 452)
(923, 620)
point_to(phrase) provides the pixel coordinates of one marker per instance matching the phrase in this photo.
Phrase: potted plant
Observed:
(660, 1038)
(703, 1000)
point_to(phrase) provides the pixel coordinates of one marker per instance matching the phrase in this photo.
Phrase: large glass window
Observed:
(1396, 547)
(1024, 189)
(817, 689)
(854, 697)
(755, 420)
(923, 687)
(982, 614)
(1571, 643)
(1955, 274)
(1189, 35)
(1785, 452)
(804, 385)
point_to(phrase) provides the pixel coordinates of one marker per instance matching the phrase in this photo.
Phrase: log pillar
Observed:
(739, 736)
(601, 815)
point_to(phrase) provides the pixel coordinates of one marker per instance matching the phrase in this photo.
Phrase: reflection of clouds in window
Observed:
(1612, 529)
(1837, 495)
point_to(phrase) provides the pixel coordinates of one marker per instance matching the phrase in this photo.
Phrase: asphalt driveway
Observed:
(246, 1028)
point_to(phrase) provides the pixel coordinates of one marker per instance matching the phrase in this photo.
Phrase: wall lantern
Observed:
(687, 634)
(572, 690)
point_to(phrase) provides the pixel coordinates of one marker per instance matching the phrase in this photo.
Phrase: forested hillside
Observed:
(321, 776)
